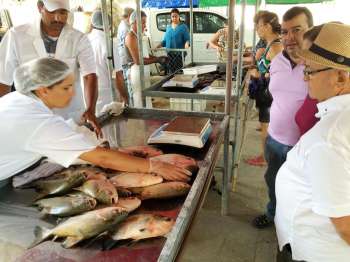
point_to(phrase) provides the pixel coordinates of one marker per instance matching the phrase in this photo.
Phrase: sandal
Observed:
(256, 161)
(262, 221)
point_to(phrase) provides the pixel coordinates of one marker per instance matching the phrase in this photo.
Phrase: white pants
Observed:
(135, 83)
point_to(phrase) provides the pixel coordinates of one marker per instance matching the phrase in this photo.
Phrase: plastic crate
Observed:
(183, 104)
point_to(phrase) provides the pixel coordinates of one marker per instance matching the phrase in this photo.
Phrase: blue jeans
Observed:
(275, 155)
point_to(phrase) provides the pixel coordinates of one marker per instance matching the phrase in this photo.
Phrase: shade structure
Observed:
(168, 3)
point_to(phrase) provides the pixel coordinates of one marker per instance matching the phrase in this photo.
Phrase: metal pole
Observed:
(257, 6)
(108, 36)
(140, 44)
(225, 180)
(191, 29)
(239, 89)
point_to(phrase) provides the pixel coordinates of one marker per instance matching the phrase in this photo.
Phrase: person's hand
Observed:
(162, 59)
(90, 118)
(168, 171)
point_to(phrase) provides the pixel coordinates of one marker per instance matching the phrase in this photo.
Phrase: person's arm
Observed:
(113, 159)
(119, 83)
(131, 44)
(91, 94)
(186, 36)
(213, 42)
(4, 89)
(275, 49)
(342, 225)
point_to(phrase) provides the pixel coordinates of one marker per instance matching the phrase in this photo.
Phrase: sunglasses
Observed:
(308, 72)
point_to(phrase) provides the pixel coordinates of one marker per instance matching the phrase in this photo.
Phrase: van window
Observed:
(205, 23)
(164, 19)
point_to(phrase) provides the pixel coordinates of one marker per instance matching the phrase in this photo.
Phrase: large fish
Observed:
(66, 205)
(163, 190)
(141, 151)
(179, 160)
(127, 180)
(129, 203)
(58, 184)
(143, 226)
(91, 172)
(102, 190)
(84, 226)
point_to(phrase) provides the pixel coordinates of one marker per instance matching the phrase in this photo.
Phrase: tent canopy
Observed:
(206, 3)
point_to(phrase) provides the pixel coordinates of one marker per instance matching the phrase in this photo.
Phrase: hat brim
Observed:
(310, 56)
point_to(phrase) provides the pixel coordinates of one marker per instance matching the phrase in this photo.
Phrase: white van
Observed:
(205, 24)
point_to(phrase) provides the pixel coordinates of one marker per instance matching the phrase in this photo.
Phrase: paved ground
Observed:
(232, 238)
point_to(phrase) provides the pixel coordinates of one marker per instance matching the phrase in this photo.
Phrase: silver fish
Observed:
(102, 190)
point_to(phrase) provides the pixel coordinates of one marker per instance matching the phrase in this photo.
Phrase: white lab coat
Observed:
(98, 42)
(134, 76)
(24, 43)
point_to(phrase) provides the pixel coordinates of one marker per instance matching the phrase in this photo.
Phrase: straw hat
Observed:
(331, 48)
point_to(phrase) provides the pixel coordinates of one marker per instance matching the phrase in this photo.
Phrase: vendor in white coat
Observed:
(52, 37)
(97, 38)
(131, 43)
(33, 130)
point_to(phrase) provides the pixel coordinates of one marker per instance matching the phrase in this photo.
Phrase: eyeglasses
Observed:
(308, 72)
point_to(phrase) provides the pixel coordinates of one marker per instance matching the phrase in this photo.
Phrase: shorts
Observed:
(264, 114)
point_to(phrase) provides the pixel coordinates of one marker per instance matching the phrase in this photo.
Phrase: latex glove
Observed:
(114, 108)
(162, 60)
(168, 171)
(90, 118)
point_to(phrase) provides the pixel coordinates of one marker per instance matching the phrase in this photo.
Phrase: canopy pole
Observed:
(191, 29)
(257, 7)
(140, 45)
(239, 86)
(229, 67)
(108, 36)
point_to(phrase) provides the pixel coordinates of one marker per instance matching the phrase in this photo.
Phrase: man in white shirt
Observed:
(313, 186)
(52, 37)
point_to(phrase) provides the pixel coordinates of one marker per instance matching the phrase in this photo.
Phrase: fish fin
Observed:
(71, 241)
(41, 195)
(54, 238)
(41, 234)
(94, 239)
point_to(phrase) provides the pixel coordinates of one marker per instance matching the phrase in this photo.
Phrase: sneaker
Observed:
(262, 221)
(256, 161)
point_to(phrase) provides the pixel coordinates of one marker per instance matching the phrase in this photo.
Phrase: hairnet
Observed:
(96, 19)
(42, 72)
(127, 11)
(133, 17)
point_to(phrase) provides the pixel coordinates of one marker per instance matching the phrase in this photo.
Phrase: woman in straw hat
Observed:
(313, 186)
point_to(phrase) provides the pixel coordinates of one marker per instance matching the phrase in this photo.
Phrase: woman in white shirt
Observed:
(30, 129)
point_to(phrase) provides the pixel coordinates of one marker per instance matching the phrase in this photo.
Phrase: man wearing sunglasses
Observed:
(289, 91)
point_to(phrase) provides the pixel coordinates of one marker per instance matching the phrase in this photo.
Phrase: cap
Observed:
(53, 5)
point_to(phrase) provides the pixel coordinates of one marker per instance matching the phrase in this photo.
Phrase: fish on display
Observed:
(141, 151)
(129, 203)
(163, 190)
(66, 205)
(58, 184)
(91, 172)
(123, 192)
(143, 226)
(179, 160)
(78, 228)
(128, 180)
(102, 190)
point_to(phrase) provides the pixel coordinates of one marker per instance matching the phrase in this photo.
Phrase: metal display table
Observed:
(18, 219)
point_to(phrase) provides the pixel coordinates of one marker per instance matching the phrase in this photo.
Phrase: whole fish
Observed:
(141, 151)
(66, 205)
(179, 160)
(91, 172)
(143, 226)
(129, 203)
(128, 180)
(84, 226)
(58, 184)
(163, 190)
(102, 190)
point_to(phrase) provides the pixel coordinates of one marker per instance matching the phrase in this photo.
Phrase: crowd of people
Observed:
(300, 81)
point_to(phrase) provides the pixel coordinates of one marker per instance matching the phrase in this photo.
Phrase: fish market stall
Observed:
(18, 218)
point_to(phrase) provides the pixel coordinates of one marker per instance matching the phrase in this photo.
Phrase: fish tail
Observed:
(41, 234)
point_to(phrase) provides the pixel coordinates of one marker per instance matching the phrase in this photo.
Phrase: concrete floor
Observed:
(232, 238)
